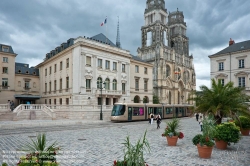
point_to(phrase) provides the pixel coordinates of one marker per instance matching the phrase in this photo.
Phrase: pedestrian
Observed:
(200, 122)
(12, 105)
(149, 118)
(158, 121)
(152, 118)
(197, 116)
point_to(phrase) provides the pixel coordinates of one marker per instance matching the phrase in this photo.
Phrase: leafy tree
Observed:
(221, 101)
(156, 100)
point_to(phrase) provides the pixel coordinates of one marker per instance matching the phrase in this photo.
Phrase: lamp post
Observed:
(100, 86)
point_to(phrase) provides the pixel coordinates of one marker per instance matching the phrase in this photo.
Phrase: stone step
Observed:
(7, 116)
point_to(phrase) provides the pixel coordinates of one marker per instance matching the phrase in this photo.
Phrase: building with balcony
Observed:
(232, 64)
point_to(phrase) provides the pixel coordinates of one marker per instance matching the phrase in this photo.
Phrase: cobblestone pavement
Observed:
(101, 146)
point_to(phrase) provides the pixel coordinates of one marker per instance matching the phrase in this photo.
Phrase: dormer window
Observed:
(27, 72)
(5, 49)
(34, 73)
(19, 71)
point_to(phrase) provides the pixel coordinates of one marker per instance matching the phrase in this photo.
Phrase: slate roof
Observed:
(23, 68)
(245, 45)
(138, 58)
(10, 48)
(102, 38)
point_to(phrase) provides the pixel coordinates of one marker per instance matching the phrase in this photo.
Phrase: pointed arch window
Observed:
(168, 71)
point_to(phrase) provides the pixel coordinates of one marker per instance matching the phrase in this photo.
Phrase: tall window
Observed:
(67, 101)
(5, 70)
(88, 83)
(241, 63)
(136, 69)
(145, 85)
(67, 63)
(168, 71)
(241, 81)
(60, 85)
(99, 82)
(54, 85)
(100, 63)
(55, 68)
(123, 88)
(123, 68)
(60, 100)
(67, 82)
(107, 84)
(5, 59)
(88, 60)
(61, 65)
(49, 86)
(107, 64)
(221, 66)
(136, 84)
(45, 87)
(50, 70)
(114, 84)
(45, 72)
(26, 84)
(5, 82)
(145, 70)
(221, 81)
(114, 65)
(54, 101)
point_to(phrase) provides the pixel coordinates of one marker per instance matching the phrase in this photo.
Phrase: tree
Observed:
(156, 99)
(221, 101)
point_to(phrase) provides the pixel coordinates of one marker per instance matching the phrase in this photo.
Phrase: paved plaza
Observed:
(101, 144)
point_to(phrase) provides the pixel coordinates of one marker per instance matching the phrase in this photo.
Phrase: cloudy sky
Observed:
(35, 27)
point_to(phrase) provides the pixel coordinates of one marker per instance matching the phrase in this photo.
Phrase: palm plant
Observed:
(221, 100)
(133, 154)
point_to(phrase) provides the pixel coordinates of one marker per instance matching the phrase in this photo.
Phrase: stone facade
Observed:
(232, 64)
(166, 46)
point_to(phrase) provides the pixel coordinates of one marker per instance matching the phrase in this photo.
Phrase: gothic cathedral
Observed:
(166, 46)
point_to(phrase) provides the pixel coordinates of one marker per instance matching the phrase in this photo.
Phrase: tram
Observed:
(141, 111)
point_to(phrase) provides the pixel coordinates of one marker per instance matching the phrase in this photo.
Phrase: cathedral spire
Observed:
(118, 44)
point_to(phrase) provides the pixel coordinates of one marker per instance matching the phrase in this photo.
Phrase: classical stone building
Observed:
(232, 64)
(91, 71)
(165, 45)
(20, 83)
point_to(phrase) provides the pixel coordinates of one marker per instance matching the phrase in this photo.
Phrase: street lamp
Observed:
(182, 99)
(100, 86)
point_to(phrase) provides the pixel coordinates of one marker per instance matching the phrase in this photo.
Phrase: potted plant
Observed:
(225, 134)
(171, 132)
(204, 141)
(244, 123)
(133, 154)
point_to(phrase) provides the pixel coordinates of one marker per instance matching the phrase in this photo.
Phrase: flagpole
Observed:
(106, 29)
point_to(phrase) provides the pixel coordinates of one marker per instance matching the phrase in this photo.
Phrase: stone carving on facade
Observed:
(241, 73)
(221, 75)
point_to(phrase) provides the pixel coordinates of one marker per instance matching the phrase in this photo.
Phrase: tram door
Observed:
(129, 113)
(183, 111)
(176, 112)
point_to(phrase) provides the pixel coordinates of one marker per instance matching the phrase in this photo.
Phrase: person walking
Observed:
(197, 116)
(152, 118)
(200, 122)
(158, 121)
(149, 118)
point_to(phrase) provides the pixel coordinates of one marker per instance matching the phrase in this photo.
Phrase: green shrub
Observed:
(243, 122)
(172, 127)
(227, 132)
(4, 164)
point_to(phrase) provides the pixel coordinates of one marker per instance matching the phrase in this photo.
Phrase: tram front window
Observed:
(118, 110)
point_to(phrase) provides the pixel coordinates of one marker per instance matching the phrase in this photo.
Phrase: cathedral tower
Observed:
(165, 45)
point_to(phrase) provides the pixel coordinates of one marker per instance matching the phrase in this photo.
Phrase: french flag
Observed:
(105, 21)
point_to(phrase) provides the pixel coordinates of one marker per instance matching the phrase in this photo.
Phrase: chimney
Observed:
(231, 42)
